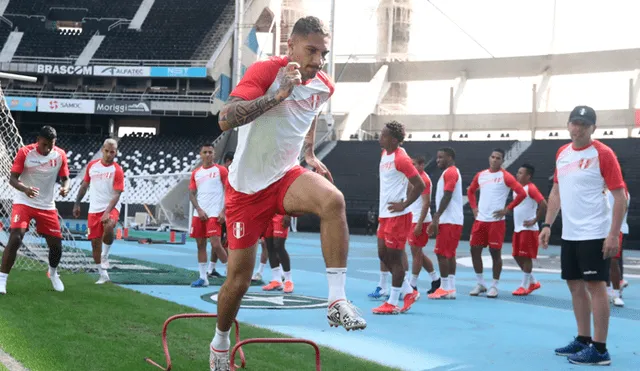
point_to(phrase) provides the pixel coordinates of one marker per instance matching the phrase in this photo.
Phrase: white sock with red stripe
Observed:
(221, 342)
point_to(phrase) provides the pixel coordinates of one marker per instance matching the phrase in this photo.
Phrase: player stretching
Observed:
(275, 239)
(525, 229)
(34, 172)
(447, 222)
(396, 172)
(615, 285)
(584, 168)
(105, 180)
(489, 226)
(418, 236)
(206, 192)
(275, 106)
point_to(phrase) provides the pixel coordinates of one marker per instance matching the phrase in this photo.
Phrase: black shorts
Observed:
(583, 260)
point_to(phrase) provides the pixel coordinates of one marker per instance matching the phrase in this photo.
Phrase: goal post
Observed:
(33, 254)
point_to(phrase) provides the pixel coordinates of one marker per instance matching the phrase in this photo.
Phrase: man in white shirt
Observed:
(590, 231)
(615, 284)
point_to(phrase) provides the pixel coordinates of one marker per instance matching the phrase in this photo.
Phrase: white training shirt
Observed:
(494, 189)
(583, 175)
(416, 207)
(625, 226)
(270, 145)
(40, 172)
(450, 181)
(395, 170)
(528, 209)
(209, 183)
(104, 182)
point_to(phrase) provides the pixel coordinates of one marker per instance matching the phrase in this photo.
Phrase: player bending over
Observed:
(275, 107)
(447, 222)
(34, 172)
(275, 239)
(525, 229)
(418, 236)
(105, 180)
(615, 283)
(489, 227)
(396, 172)
(206, 192)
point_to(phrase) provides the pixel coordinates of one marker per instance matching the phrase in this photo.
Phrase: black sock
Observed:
(584, 339)
(600, 347)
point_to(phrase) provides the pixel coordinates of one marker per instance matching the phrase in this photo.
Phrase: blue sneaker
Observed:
(378, 293)
(574, 347)
(590, 356)
(200, 283)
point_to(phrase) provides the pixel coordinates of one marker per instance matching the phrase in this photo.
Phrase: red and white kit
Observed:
(275, 228)
(451, 221)
(415, 209)
(104, 181)
(210, 185)
(525, 239)
(395, 170)
(266, 159)
(494, 189)
(40, 172)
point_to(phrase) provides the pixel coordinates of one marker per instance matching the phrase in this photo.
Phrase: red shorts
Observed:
(47, 223)
(620, 240)
(95, 228)
(488, 234)
(447, 240)
(249, 215)
(205, 229)
(275, 228)
(422, 239)
(525, 244)
(394, 230)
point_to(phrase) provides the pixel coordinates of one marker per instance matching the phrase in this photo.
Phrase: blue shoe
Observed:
(200, 283)
(377, 293)
(590, 356)
(574, 347)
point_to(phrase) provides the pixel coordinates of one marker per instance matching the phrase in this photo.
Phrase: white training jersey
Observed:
(416, 207)
(527, 209)
(270, 145)
(451, 181)
(104, 183)
(625, 226)
(40, 172)
(395, 170)
(209, 182)
(494, 189)
(583, 175)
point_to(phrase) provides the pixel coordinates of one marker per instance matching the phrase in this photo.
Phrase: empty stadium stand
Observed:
(95, 9)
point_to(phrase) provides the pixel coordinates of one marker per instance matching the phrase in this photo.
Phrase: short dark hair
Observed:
(309, 25)
(206, 145)
(449, 151)
(530, 169)
(396, 129)
(420, 159)
(228, 156)
(48, 132)
(499, 150)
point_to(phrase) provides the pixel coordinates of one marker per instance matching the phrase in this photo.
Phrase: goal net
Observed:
(33, 254)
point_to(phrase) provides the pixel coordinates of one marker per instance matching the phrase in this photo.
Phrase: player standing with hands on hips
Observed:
(584, 169)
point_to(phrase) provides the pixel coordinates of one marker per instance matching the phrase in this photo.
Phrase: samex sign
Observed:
(66, 105)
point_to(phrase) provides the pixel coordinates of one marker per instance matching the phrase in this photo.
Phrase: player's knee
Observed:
(332, 205)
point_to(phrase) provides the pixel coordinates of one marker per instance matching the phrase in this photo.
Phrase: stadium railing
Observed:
(109, 96)
(111, 62)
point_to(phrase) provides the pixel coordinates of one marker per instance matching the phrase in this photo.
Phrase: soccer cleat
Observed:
(200, 283)
(521, 291)
(534, 286)
(409, 299)
(378, 293)
(493, 292)
(256, 277)
(440, 293)
(386, 308)
(3, 287)
(104, 278)
(434, 286)
(590, 356)
(479, 289)
(288, 287)
(451, 294)
(345, 314)
(417, 294)
(617, 301)
(273, 286)
(624, 284)
(219, 361)
(572, 348)
(57, 283)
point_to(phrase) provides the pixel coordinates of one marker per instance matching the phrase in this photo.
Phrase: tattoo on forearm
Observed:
(243, 112)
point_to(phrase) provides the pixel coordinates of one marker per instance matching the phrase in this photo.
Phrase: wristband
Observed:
(545, 225)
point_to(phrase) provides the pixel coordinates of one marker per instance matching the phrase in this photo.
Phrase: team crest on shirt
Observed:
(53, 163)
(585, 163)
(315, 101)
(238, 230)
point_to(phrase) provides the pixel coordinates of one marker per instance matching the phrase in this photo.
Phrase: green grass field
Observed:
(91, 327)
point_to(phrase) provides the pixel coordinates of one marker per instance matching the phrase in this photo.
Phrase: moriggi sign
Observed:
(54, 69)
(120, 107)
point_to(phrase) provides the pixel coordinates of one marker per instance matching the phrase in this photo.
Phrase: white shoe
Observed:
(451, 294)
(256, 277)
(343, 313)
(479, 289)
(57, 283)
(218, 361)
(104, 262)
(618, 302)
(104, 278)
(493, 292)
(3, 287)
